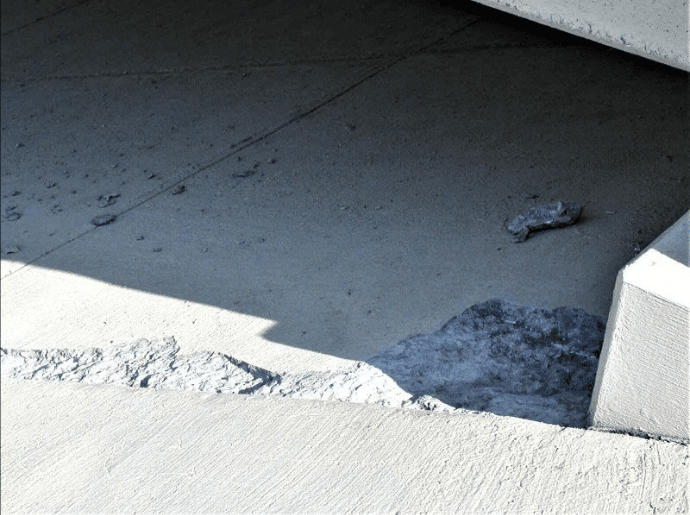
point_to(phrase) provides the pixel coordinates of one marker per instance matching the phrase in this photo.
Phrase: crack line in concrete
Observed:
(45, 17)
(262, 137)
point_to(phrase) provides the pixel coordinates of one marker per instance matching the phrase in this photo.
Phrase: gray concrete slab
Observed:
(298, 188)
(658, 30)
(85, 449)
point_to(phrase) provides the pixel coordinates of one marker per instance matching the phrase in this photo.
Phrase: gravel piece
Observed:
(107, 200)
(103, 220)
(540, 218)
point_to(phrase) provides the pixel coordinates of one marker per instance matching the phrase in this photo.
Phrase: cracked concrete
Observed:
(509, 360)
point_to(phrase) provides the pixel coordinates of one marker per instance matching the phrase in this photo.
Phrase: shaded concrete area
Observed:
(350, 186)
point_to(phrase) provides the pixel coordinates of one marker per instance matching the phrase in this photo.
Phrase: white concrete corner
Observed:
(643, 379)
(654, 29)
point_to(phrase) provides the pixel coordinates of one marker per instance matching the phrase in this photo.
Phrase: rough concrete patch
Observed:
(538, 364)
(145, 364)
(360, 383)
(158, 365)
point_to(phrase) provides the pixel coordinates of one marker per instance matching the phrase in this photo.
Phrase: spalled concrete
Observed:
(510, 360)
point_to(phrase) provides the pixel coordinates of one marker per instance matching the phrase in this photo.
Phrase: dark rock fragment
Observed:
(11, 214)
(540, 218)
(103, 220)
(107, 200)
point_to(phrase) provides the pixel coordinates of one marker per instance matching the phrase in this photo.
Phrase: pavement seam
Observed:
(425, 49)
(41, 18)
(252, 140)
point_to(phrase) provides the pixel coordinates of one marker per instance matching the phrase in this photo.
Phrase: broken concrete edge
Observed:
(642, 385)
(158, 365)
(423, 403)
(532, 363)
(640, 434)
(615, 24)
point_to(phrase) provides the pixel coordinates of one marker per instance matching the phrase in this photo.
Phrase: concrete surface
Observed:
(108, 449)
(299, 188)
(655, 29)
(643, 381)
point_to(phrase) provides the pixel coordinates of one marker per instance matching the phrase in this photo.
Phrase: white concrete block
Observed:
(655, 29)
(643, 379)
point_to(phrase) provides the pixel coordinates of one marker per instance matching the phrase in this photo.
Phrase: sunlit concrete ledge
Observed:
(654, 29)
(642, 384)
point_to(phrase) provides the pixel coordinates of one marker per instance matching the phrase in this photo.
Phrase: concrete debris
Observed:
(540, 218)
(538, 364)
(530, 363)
(245, 174)
(103, 220)
(11, 215)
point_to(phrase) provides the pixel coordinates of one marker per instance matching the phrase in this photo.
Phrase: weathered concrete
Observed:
(643, 380)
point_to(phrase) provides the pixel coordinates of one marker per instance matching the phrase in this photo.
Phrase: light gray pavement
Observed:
(347, 171)
(97, 449)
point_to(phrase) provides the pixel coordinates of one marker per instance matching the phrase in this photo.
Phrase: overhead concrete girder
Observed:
(654, 29)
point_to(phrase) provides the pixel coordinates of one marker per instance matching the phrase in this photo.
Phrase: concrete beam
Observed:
(654, 29)
(643, 379)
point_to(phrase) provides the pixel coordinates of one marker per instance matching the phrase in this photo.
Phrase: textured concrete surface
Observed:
(299, 188)
(654, 29)
(104, 449)
(344, 189)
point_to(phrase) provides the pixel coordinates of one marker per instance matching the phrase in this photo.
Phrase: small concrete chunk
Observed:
(540, 218)
(103, 220)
